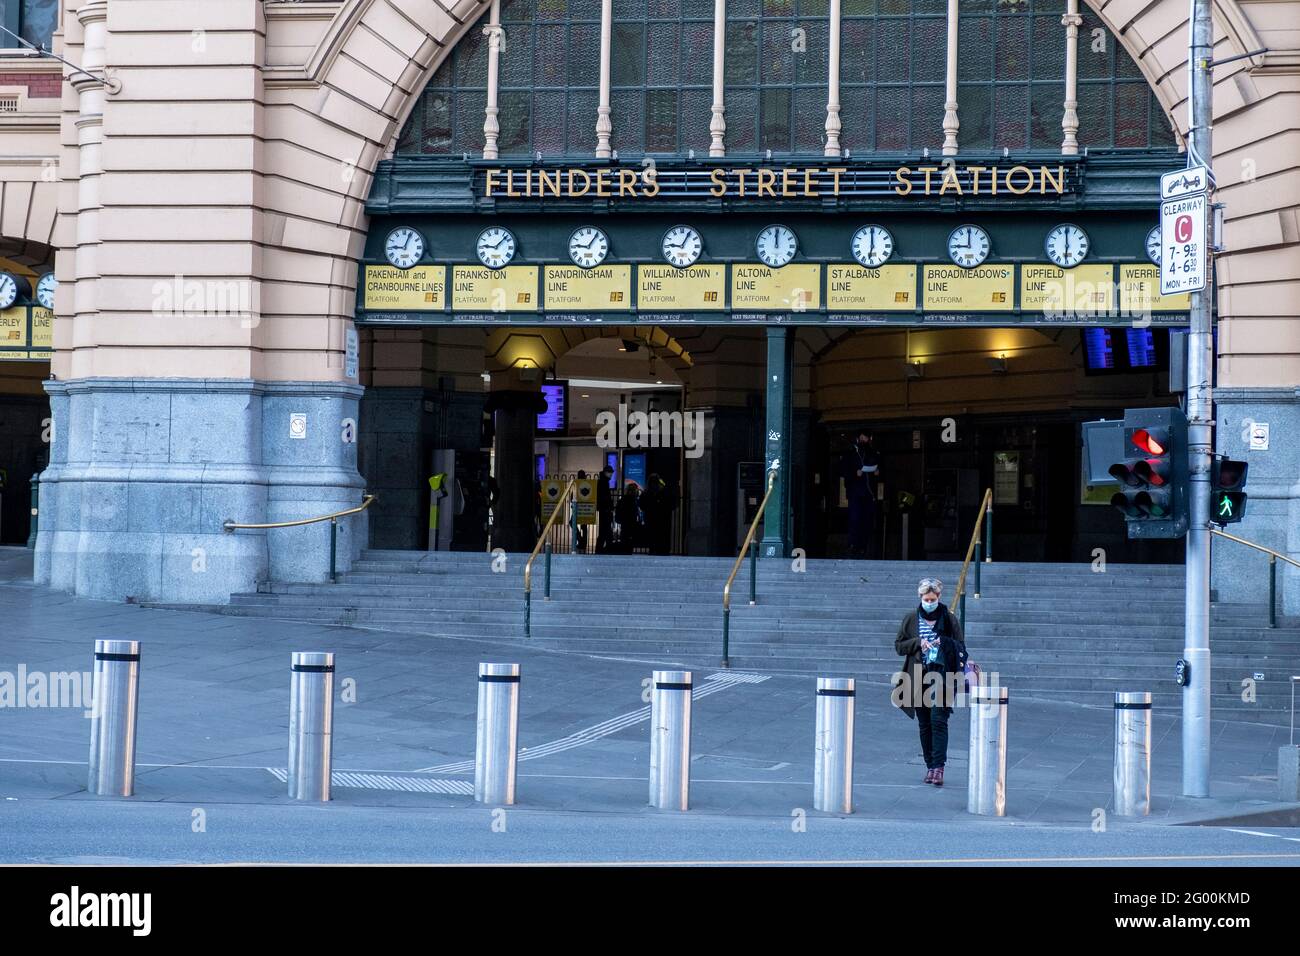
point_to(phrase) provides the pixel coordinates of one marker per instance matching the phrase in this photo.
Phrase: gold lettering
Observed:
(718, 178)
(835, 177)
(740, 178)
(1058, 181)
(1028, 186)
(786, 189)
(492, 175)
(510, 183)
(904, 186)
(586, 183)
(627, 182)
(927, 170)
(650, 181)
(602, 182)
(808, 188)
(766, 180)
(950, 180)
(543, 181)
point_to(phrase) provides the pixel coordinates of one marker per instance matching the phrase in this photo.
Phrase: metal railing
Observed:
(747, 546)
(980, 552)
(1273, 558)
(537, 548)
(366, 501)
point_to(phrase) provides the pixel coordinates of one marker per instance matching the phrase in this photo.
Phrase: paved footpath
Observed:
(213, 729)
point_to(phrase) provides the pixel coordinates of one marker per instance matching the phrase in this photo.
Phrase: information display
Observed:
(480, 289)
(418, 289)
(698, 288)
(982, 289)
(888, 288)
(1049, 288)
(1139, 291)
(575, 289)
(792, 288)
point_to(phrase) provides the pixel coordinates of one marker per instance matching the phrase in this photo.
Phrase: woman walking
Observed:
(933, 648)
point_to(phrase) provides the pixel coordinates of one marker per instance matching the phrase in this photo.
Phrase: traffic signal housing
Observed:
(1227, 491)
(1153, 473)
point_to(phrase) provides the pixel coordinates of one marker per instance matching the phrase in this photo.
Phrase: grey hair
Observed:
(930, 584)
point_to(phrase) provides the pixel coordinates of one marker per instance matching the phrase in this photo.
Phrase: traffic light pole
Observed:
(1200, 419)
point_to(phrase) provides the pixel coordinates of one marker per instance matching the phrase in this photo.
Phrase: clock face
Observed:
(1153, 245)
(968, 246)
(45, 290)
(872, 245)
(1066, 245)
(8, 290)
(496, 247)
(776, 246)
(682, 245)
(588, 247)
(404, 247)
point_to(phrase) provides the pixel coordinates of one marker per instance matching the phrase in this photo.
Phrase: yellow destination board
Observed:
(417, 289)
(699, 288)
(1139, 292)
(480, 289)
(859, 289)
(42, 328)
(792, 288)
(602, 289)
(1083, 289)
(13, 328)
(982, 289)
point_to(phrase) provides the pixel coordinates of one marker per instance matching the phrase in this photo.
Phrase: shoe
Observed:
(929, 776)
(937, 777)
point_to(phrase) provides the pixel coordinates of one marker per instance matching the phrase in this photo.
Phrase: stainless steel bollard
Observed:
(1132, 754)
(670, 740)
(986, 793)
(496, 751)
(115, 703)
(833, 765)
(311, 725)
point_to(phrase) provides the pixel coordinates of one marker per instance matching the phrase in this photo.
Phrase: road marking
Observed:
(1260, 833)
(713, 684)
(917, 861)
(379, 781)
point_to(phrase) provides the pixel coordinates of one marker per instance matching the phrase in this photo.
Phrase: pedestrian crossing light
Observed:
(1228, 498)
(1153, 474)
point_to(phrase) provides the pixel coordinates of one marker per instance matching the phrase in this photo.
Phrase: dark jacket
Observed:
(952, 645)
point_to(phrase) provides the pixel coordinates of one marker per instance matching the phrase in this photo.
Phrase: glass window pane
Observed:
(580, 133)
(627, 113)
(1011, 124)
(1046, 106)
(775, 121)
(627, 54)
(696, 114)
(550, 110)
(38, 19)
(1049, 49)
(515, 60)
(584, 54)
(812, 66)
(927, 117)
(1131, 101)
(741, 117)
(1011, 50)
(662, 54)
(892, 39)
(857, 63)
(1162, 134)
(975, 113)
(810, 120)
(777, 65)
(929, 48)
(740, 62)
(470, 59)
(857, 121)
(893, 114)
(468, 137)
(975, 48)
(514, 123)
(549, 60)
(1094, 115)
(661, 121)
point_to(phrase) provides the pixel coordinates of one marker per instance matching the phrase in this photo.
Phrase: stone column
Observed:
(1070, 113)
(779, 442)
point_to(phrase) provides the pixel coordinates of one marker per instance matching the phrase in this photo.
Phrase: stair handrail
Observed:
(333, 518)
(976, 550)
(537, 548)
(1273, 557)
(746, 547)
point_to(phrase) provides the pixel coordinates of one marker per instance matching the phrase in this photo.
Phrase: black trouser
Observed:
(933, 722)
(605, 532)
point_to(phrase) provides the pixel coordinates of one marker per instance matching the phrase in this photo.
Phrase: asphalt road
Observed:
(85, 831)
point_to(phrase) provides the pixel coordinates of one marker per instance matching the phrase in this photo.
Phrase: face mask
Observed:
(929, 605)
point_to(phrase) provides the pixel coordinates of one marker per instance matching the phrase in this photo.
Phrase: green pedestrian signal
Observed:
(1227, 480)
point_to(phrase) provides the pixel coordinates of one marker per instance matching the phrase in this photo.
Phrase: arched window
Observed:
(1010, 80)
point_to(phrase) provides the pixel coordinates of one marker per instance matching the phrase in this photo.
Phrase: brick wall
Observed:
(39, 85)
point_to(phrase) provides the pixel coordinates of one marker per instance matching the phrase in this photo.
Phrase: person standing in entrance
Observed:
(933, 648)
(860, 467)
(605, 511)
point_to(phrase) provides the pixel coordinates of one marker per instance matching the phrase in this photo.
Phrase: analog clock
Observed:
(776, 245)
(1153, 245)
(496, 247)
(968, 246)
(45, 287)
(682, 245)
(404, 247)
(8, 290)
(588, 247)
(872, 245)
(1066, 245)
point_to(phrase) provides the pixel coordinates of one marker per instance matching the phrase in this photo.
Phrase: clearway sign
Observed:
(1183, 242)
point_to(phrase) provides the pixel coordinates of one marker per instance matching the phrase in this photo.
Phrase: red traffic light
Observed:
(1152, 441)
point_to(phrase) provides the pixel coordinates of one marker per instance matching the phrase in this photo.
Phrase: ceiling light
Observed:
(997, 364)
(914, 370)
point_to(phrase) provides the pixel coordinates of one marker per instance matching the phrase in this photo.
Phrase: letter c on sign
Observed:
(1183, 228)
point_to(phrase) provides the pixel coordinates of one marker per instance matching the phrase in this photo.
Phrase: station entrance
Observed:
(461, 418)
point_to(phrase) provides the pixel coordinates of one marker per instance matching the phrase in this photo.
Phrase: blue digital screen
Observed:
(555, 420)
(541, 467)
(634, 468)
(1098, 349)
(611, 459)
(1141, 348)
